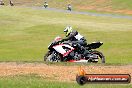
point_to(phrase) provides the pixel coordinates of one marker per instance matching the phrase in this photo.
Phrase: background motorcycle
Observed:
(64, 52)
(69, 8)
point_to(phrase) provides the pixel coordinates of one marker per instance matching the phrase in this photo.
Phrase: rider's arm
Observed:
(74, 33)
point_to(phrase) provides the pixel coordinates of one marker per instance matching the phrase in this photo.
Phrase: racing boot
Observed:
(83, 50)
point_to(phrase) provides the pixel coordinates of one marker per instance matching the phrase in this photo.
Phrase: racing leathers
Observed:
(75, 38)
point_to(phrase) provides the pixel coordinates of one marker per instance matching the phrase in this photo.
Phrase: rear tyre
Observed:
(100, 56)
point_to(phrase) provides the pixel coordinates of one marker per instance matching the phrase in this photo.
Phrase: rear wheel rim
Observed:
(101, 58)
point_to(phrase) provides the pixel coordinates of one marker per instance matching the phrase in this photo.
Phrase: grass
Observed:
(25, 33)
(34, 81)
(116, 4)
(103, 6)
(121, 4)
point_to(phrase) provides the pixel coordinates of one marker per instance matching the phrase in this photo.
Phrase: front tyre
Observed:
(51, 57)
(46, 56)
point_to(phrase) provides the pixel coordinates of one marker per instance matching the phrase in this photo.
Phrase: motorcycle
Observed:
(69, 8)
(67, 52)
(1, 2)
(46, 5)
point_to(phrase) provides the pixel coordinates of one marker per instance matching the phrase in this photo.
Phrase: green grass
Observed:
(25, 33)
(122, 4)
(34, 81)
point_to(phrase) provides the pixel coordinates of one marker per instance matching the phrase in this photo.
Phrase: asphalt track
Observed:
(86, 13)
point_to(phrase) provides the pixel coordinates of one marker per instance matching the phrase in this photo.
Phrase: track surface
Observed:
(86, 13)
(79, 12)
(60, 73)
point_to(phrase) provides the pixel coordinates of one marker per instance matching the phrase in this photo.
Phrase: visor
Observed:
(65, 30)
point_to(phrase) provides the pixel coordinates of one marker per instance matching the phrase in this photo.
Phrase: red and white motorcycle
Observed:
(66, 52)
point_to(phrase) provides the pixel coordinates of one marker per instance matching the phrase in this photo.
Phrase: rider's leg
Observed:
(82, 44)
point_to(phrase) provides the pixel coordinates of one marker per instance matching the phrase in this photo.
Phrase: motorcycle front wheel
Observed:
(50, 57)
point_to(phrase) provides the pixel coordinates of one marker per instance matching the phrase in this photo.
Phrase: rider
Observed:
(69, 7)
(45, 4)
(75, 38)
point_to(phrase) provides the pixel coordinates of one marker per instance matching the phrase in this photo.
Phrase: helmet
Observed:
(68, 30)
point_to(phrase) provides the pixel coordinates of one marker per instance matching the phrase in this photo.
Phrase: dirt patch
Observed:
(61, 73)
(124, 11)
(104, 6)
(105, 9)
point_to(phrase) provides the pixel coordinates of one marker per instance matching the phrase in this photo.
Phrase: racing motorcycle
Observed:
(66, 52)
(69, 8)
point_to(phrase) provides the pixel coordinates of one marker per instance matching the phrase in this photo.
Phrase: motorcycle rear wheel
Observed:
(100, 55)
